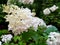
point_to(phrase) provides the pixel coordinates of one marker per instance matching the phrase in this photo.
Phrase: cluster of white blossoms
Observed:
(53, 38)
(20, 19)
(0, 43)
(26, 1)
(53, 8)
(6, 38)
(47, 11)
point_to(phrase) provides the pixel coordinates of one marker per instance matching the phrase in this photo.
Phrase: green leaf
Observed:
(26, 36)
(21, 43)
(17, 38)
(2, 32)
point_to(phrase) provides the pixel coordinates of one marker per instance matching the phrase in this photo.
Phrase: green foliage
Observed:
(16, 40)
(2, 14)
(2, 32)
(34, 37)
(54, 17)
(50, 29)
(27, 35)
(27, 38)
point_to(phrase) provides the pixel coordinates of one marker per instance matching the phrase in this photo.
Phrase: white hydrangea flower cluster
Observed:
(47, 10)
(6, 38)
(53, 38)
(37, 21)
(20, 19)
(0, 43)
(27, 1)
(53, 8)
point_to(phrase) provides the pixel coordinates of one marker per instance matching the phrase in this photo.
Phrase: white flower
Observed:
(21, 19)
(6, 38)
(26, 1)
(46, 11)
(53, 38)
(37, 22)
(53, 8)
(42, 23)
(0, 43)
